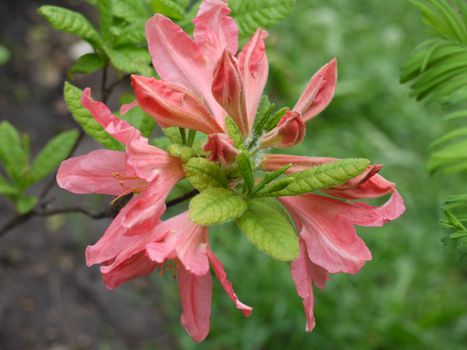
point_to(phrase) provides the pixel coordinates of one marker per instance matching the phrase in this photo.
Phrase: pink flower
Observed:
(144, 171)
(290, 131)
(221, 148)
(326, 225)
(184, 245)
(201, 79)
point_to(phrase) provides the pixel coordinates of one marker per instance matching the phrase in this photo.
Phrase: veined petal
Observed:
(221, 147)
(328, 233)
(227, 88)
(178, 58)
(215, 30)
(319, 91)
(195, 293)
(305, 274)
(119, 129)
(136, 266)
(222, 277)
(93, 173)
(125, 108)
(148, 161)
(253, 64)
(172, 105)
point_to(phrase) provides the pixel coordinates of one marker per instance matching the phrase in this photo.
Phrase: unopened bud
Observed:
(289, 132)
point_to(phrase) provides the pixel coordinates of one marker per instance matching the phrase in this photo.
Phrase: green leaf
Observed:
(216, 206)
(204, 174)
(269, 177)
(12, 153)
(250, 15)
(56, 150)
(6, 188)
(267, 228)
(85, 119)
(130, 10)
(130, 60)
(274, 119)
(25, 204)
(4, 55)
(316, 178)
(265, 110)
(234, 133)
(169, 8)
(180, 151)
(131, 34)
(105, 17)
(71, 22)
(173, 134)
(140, 120)
(87, 63)
(246, 169)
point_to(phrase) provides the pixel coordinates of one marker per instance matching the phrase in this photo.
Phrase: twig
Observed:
(182, 198)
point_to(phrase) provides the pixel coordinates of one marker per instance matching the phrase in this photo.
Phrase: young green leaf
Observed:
(169, 8)
(250, 15)
(274, 119)
(265, 110)
(87, 63)
(6, 188)
(180, 151)
(130, 60)
(234, 133)
(216, 206)
(105, 18)
(85, 119)
(270, 176)
(56, 150)
(269, 230)
(13, 155)
(246, 169)
(316, 178)
(131, 34)
(71, 22)
(131, 10)
(204, 174)
(25, 204)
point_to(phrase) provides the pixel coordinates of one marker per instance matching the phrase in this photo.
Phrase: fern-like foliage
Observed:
(438, 72)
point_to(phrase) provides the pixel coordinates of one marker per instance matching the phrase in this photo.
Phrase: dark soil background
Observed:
(49, 299)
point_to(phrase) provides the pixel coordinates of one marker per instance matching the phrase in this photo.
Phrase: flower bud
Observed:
(221, 148)
(289, 132)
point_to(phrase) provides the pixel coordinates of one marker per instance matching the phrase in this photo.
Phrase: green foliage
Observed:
(267, 228)
(438, 71)
(204, 174)
(4, 55)
(87, 63)
(246, 170)
(234, 133)
(269, 177)
(316, 178)
(71, 22)
(13, 153)
(169, 8)
(250, 15)
(216, 206)
(85, 119)
(56, 150)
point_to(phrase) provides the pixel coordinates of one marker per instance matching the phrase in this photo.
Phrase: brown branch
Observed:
(182, 198)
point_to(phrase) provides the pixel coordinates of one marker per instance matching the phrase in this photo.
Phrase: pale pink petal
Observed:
(290, 131)
(319, 91)
(119, 129)
(329, 235)
(373, 187)
(179, 59)
(125, 108)
(253, 64)
(273, 162)
(173, 105)
(227, 88)
(215, 30)
(305, 274)
(151, 202)
(136, 266)
(221, 148)
(148, 161)
(222, 277)
(93, 173)
(195, 293)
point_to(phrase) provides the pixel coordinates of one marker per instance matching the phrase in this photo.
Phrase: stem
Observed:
(182, 135)
(191, 137)
(182, 198)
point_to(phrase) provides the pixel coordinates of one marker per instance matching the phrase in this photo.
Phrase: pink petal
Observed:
(221, 148)
(136, 266)
(305, 274)
(119, 129)
(179, 59)
(124, 109)
(328, 233)
(373, 187)
(215, 30)
(92, 173)
(272, 162)
(222, 277)
(148, 161)
(253, 64)
(195, 293)
(227, 88)
(290, 131)
(319, 91)
(172, 105)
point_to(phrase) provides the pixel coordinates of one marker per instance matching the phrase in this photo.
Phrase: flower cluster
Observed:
(207, 86)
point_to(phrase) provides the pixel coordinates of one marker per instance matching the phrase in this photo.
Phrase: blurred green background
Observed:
(413, 295)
